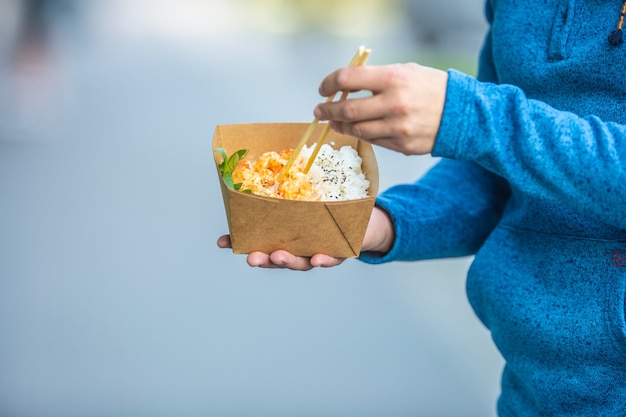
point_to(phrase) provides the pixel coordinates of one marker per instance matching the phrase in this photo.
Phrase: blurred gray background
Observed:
(114, 298)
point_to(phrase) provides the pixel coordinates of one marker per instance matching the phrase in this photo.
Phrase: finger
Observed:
(224, 241)
(279, 259)
(370, 130)
(260, 259)
(285, 259)
(325, 261)
(370, 78)
(353, 110)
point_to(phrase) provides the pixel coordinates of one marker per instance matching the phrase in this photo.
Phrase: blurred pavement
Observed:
(115, 300)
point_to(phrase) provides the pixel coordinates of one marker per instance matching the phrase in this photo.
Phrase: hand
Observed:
(403, 114)
(379, 237)
(283, 259)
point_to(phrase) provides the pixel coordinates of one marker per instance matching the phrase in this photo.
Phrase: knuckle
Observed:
(342, 77)
(403, 106)
(349, 110)
(395, 75)
(403, 130)
(400, 107)
(399, 75)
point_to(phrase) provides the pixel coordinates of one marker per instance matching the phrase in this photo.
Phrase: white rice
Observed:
(337, 174)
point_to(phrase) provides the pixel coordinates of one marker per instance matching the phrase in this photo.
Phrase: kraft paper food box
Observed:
(304, 228)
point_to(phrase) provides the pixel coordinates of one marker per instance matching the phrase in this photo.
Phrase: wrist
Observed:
(380, 234)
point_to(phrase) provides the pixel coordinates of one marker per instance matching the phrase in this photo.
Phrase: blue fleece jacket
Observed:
(532, 181)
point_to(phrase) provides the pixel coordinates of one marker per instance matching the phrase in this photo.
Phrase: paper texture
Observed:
(303, 228)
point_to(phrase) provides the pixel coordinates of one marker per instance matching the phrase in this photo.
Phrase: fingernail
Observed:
(317, 112)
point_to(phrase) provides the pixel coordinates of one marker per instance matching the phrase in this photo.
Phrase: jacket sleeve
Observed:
(449, 212)
(577, 162)
(453, 208)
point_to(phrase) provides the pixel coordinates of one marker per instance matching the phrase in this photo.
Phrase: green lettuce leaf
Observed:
(228, 165)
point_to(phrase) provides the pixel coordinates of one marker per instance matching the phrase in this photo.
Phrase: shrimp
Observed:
(261, 177)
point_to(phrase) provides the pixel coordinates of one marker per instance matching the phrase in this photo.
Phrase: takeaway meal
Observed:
(335, 175)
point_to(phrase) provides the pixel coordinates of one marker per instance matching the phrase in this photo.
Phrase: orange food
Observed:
(261, 177)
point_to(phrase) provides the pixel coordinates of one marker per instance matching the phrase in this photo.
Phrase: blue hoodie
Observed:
(532, 181)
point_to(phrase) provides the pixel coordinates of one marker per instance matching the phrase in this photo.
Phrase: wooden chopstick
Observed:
(359, 59)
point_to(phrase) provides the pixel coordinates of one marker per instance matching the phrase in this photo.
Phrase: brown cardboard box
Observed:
(303, 228)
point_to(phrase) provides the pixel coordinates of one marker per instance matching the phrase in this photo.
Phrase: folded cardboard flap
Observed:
(304, 228)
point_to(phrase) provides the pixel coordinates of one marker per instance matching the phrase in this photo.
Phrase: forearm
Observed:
(447, 213)
(579, 162)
